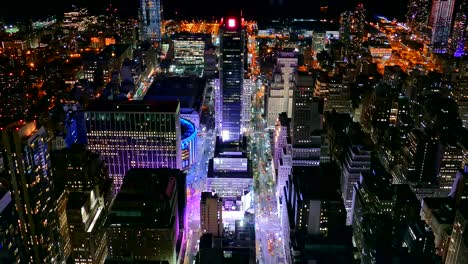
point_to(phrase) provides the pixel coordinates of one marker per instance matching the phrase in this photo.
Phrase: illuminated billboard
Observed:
(230, 164)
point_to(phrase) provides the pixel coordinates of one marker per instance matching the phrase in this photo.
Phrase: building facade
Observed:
(31, 180)
(232, 48)
(135, 135)
(150, 20)
(211, 214)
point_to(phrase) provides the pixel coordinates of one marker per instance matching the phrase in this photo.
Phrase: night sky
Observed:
(252, 9)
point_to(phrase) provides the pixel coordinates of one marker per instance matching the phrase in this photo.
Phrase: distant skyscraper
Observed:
(150, 19)
(28, 155)
(189, 52)
(440, 21)
(459, 31)
(418, 14)
(232, 42)
(135, 135)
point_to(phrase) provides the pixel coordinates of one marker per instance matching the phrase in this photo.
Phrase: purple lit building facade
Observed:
(440, 21)
(136, 135)
(232, 43)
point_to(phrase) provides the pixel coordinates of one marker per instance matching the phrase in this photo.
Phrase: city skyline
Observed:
(217, 132)
(206, 9)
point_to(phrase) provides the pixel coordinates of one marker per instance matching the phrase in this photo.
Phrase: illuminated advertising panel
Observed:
(230, 164)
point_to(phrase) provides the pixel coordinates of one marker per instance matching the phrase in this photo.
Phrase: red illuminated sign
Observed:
(232, 22)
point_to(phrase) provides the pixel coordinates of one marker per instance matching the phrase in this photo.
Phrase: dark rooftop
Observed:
(170, 106)
(443, 208)
(144, 199)
(76, 200)
(187, 89)
(317, 183)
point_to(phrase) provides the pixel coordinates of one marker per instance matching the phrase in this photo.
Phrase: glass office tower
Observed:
(232, 41)
(150, 19)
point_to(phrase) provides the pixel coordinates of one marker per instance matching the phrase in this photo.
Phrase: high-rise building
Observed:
(439, 214)
(457, 42)
(232, 48)
(246, 106)
(143, 224)
(352, 26)
(189, 52)
(29, 163)
(211, 214)
(317, 207)
(458, 247)
(317, 217)
(11, 248)
(426, 159)
(380, 213)
(418, 14)
(440, 21)
(338, 98)
(86, 215)
(357, 161)
(150, 19)
(103, 67)
(135, 134)
(307, 111)
(452, 161)
(84, 196)
(280, 92)
(78, 169)
(13, 100)
(460, 95)
(306, 122)
(459, 189)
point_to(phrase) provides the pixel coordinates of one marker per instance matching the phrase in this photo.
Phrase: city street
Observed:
(268, 226)
(196, 178)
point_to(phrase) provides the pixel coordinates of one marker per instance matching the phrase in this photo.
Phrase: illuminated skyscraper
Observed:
(440, 21)
(232, 41)
(150, 19)
(459, 31)
(135, 135)
(31, 184)
(418, 14)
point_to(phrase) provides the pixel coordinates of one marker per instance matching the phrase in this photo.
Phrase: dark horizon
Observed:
(203, 9)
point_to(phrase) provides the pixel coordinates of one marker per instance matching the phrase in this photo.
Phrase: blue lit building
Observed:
(150, 19)
(188, 143)
(232, 42)
(75, 125)
(32, 188)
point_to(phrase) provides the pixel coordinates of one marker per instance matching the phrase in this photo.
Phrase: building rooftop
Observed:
(189, 90)
(145, 200)
(169, 106)
(235, 167)
(442, 208)
(76, 200)
(318, 183)
(114, 50)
